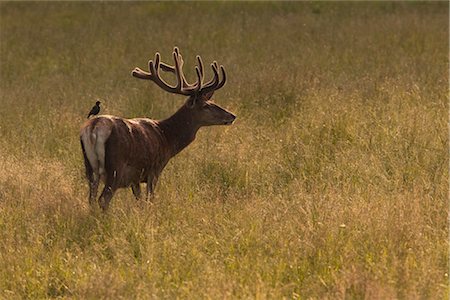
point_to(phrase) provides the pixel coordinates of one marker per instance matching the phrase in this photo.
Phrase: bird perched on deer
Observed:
(127, 152)
(94, 110)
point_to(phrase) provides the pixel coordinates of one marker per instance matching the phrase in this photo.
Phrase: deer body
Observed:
(126, 152)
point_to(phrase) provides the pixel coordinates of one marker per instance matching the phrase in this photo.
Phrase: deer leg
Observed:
(151, 183)
(136, 188)
(92, 177)
(93, 187)
(105, 197)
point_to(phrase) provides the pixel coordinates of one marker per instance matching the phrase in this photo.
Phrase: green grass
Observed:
(332, 184)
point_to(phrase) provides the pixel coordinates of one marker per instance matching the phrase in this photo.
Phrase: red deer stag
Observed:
(126, 152)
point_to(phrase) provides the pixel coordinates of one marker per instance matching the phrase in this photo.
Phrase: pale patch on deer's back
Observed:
(138, 122)
(130, 122)
(144, 120)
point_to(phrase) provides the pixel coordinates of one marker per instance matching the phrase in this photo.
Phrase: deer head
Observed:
(199, 105)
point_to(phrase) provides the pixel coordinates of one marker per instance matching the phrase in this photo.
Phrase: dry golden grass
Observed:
(332, 184)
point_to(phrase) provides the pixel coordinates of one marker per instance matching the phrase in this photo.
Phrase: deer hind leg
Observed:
(91, 173)
(100, 151)
(93, 188)
(136, 188)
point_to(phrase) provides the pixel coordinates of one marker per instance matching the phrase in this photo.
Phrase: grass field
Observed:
(332, 183)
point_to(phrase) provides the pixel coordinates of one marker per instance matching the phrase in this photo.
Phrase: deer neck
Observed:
(179, 130)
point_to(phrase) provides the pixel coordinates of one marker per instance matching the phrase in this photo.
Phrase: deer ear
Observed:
(209, 95)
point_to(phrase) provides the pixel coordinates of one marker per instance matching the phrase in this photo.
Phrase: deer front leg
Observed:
(151, 183)
(136, 188)
(105, 197)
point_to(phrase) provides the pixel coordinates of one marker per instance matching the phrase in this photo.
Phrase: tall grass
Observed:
(333, 182)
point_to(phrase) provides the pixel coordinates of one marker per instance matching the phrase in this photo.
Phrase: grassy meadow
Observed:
(331, 184)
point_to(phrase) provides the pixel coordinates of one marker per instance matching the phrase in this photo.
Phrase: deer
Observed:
(124, 153)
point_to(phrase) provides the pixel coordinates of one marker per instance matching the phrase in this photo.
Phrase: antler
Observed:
(182, 87)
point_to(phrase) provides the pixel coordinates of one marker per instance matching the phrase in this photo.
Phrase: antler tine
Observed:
(224, 78)
(200, 73)
(157, 61)
(139, 73)
(179, 56)
(199, 79)
(213, 82)
(150, 62)
(178, 73)
(200, 65)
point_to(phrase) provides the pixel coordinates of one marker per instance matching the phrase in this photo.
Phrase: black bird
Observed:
(95, 109)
